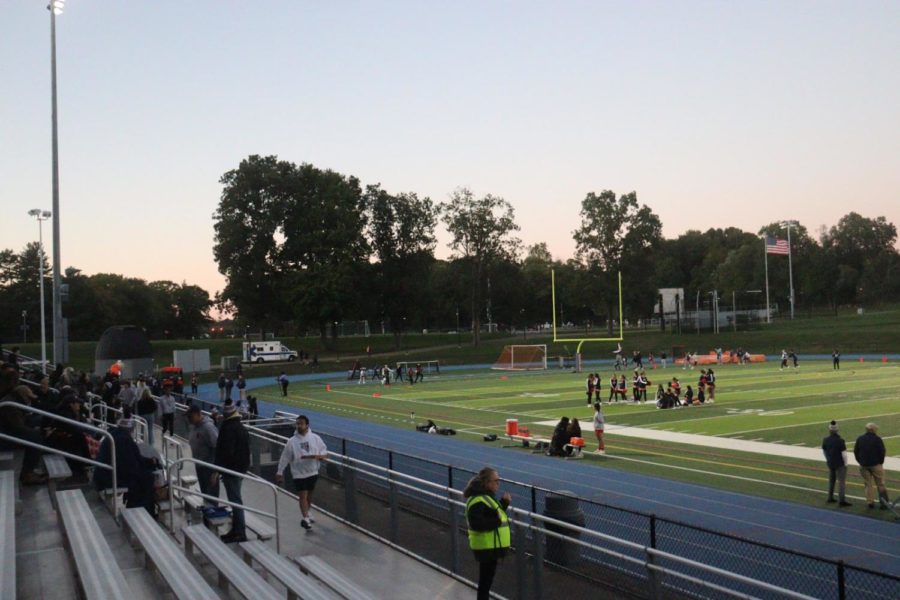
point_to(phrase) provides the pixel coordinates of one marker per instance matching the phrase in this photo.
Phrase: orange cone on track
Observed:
(327, 387)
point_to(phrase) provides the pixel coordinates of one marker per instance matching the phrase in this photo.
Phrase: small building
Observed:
(126, 345)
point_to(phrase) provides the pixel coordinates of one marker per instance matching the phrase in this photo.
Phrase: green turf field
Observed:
(756, 403)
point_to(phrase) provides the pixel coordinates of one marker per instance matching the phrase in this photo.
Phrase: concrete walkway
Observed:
(729, 443)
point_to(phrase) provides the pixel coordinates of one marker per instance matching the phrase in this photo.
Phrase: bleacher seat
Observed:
(299, 586)
(57, 470)
(243, 579)
(162, 555)
(318, 568)
(7, 535)
(98, 571)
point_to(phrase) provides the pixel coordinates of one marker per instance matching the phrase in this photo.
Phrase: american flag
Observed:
(776, 246)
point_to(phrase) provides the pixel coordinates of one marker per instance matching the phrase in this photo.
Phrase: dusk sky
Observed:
(715, 113)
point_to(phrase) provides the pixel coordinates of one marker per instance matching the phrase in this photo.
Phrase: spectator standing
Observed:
(835, 450)
(242, 388)
(599, 424)
(221, 383)
(304, 451)
(836, 361)
(229, 385)
(283, 382)
(195, 384)
(167, 409)
(146, 409)
(127, 397)
(488, 526)
(203, 439)
(252, 408)
(233, 453)
(869, 452)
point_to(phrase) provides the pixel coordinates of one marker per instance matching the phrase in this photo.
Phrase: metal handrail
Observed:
(104, 410)
(651, 553)
(183, 489)
(102, 432)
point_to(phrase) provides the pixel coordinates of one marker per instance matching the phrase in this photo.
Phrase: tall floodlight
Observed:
(60, 340)
(789, 224)
(41, 216)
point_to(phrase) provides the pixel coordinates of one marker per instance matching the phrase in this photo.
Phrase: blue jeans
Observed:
(233, 491)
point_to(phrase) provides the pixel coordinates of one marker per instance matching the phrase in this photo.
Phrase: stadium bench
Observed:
(260, 528)
(7, 535)
(318, 568)
(96, 566)
(577, 452)
(299, 586)
(163, 556)
(232, 570)
(57, 470)
(540, 444)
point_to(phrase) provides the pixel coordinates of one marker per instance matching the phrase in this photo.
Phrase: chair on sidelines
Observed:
(318, 568)
(163, 556)
(231, 570)
(299, 586)
(96, 566)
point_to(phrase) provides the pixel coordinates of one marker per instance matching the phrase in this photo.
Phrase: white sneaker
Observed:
(305, 524)
(311, 520)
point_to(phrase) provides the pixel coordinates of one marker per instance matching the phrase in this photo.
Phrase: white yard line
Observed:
(817, 422)
(776, 448)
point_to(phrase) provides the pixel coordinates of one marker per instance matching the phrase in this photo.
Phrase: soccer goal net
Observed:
(520, 358)
(428, 366)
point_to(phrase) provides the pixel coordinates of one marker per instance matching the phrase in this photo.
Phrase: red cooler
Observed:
(512, 427)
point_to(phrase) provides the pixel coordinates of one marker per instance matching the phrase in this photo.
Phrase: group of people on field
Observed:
(668, 397)
(386, 375)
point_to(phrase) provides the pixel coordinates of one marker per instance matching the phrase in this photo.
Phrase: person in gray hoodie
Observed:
(203, 438)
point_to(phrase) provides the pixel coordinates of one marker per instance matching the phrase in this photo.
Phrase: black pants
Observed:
(486, 571)
(168, 423)
(284, 386)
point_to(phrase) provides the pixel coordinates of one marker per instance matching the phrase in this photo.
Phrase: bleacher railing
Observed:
(75, 457)
(798, 571)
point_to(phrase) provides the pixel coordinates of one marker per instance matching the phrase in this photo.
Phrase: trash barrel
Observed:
(563, 506)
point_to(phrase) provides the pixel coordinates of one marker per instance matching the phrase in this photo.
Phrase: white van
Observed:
(259, 352)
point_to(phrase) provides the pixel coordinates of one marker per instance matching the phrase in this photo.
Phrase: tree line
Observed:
(303, 249)
(94, 302)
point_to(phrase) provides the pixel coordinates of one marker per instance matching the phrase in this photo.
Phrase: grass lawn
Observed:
(754, 402)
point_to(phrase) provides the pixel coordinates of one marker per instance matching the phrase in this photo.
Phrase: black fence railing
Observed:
(805, 573)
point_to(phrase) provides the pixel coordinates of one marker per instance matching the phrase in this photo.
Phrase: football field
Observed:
(761, 436)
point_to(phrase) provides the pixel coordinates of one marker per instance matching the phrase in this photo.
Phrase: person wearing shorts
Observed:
(303, 452)
(598, 428)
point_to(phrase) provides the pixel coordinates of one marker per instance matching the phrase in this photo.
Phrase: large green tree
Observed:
(481, 231)
(618, 235)
(401, 233)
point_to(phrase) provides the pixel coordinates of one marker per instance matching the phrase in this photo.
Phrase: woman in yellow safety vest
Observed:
(488, 526)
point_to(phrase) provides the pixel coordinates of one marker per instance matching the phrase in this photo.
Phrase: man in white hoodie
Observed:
(303, 452)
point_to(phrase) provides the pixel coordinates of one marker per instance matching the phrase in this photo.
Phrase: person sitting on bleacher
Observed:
(133, 470)
(12, 423)
(65, 436)
(560, 438)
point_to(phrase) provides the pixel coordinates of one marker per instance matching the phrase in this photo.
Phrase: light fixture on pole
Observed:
(60, 338)
(41, 216)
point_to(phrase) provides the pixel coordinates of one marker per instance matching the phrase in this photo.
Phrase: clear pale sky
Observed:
(716, 113)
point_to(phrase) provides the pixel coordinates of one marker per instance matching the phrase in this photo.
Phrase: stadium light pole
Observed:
(788, 225)
(24, 326)
(41, 216)
(59, 343)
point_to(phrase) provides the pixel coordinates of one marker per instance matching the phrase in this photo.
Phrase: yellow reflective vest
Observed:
(495, 538)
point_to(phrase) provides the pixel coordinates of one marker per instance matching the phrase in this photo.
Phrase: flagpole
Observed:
(766, 255)
(790, 269)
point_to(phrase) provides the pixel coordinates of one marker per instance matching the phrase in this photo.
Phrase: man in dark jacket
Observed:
(835, 451)
(869, 453)
(133, 470)
(13, 423)
(233, 453)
